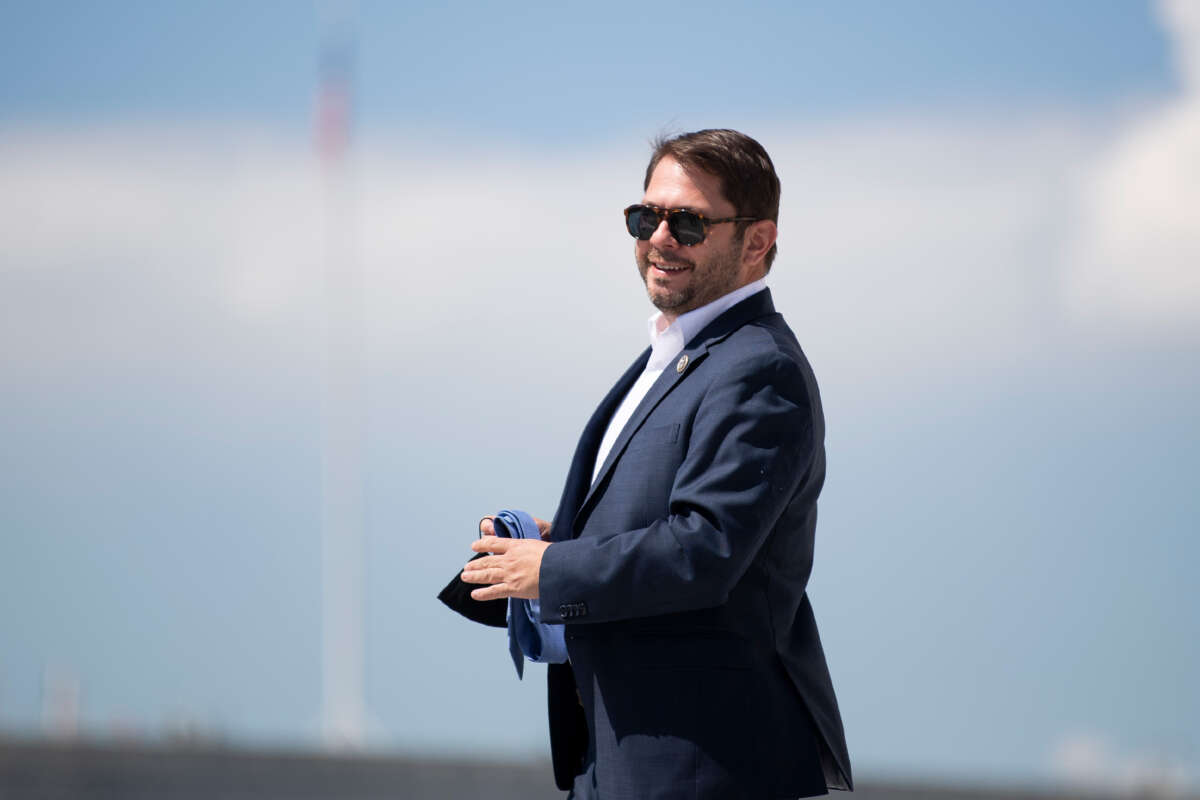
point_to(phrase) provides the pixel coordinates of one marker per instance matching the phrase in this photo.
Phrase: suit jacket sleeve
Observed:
(750, 444)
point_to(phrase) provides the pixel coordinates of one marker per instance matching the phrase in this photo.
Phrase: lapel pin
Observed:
(681, 365)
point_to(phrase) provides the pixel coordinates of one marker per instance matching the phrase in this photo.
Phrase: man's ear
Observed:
(758, 239)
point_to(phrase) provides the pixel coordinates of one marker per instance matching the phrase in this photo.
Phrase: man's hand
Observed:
(511, 569)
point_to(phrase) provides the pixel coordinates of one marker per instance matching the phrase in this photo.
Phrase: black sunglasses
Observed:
(688, 227)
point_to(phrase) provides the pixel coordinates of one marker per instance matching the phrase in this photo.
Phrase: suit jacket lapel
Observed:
(666, 381)
(753, 307)
(579, 477)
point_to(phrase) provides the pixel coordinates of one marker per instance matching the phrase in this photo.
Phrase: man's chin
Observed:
(668, 301)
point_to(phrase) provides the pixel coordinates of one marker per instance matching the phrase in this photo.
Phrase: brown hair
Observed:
(747, 176)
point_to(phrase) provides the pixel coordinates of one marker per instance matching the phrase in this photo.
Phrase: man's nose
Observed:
(662, 238)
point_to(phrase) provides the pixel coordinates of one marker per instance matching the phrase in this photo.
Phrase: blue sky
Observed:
(547, 72)
(987, 250)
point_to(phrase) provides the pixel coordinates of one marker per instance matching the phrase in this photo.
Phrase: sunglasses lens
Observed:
(641, 222)
(686, 227)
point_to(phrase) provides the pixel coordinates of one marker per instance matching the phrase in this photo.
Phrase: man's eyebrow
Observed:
(693, 209)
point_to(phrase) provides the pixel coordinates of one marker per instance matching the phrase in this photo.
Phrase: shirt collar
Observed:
(666, 345)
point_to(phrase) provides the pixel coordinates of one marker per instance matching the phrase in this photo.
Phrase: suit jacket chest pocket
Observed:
(655, 441)
(643, 476)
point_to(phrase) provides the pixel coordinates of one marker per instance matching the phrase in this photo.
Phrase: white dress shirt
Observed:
(665, 344)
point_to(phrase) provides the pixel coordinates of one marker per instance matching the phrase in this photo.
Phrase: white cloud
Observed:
(1135, 253)
(124, 246)
(925, 245)
(907, 245)
(1182, 19)
(900, 239)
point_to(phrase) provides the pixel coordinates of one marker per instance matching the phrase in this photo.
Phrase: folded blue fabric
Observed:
(528, 637)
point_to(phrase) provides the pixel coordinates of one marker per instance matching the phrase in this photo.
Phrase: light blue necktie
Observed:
(528, 637)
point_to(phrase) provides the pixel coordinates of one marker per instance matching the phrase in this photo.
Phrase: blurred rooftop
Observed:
(81, 770)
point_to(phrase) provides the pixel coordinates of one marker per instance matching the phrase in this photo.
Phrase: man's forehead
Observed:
(679, 186)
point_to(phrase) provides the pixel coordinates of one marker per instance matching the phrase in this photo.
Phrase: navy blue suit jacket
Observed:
(680, 574)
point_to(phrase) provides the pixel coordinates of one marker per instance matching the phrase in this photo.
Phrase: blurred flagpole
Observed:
(342, 409)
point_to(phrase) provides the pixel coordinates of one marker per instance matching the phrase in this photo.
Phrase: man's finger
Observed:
(480, 562)
(495, 592)
(491, 544)
(485, 575)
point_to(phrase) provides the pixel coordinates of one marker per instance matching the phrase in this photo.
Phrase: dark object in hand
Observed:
(457, 595)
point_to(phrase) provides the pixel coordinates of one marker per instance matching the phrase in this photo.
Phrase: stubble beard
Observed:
(710, 279)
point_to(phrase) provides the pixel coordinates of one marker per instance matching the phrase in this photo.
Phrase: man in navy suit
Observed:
(680, 551)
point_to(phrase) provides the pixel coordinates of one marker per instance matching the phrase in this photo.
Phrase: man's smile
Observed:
(669, 267)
